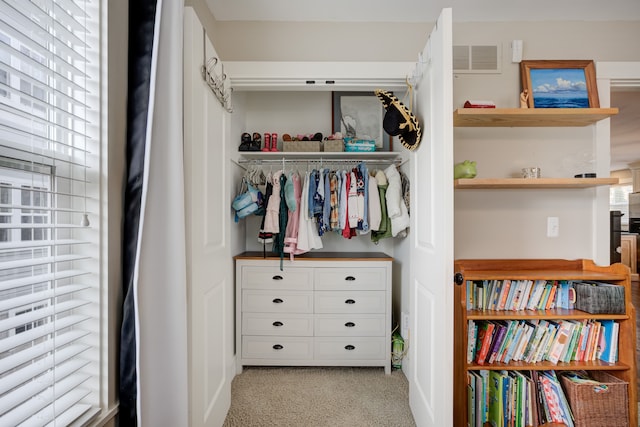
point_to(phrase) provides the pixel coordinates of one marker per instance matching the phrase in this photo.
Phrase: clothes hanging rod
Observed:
(328, 160)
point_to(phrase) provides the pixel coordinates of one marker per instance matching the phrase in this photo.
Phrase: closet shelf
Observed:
(325, 155)
(524, 183)
(530, 117)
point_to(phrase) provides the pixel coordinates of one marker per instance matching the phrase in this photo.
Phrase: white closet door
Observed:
(431, 279)
(209, 259)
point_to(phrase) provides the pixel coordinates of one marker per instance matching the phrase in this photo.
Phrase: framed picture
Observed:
(360, 114)
(560, 84)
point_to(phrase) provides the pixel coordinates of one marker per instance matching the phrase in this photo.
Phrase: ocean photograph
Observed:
(559, 88)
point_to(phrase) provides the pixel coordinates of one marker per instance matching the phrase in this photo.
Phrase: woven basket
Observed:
(594, 407)
(301, 146)
(333, 145)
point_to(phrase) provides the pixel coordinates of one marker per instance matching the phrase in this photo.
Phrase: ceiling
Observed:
(423, 10)
(625, 127)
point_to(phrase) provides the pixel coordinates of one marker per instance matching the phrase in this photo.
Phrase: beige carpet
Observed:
(318, 397)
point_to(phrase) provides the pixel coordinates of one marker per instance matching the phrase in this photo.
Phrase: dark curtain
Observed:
(142, 18)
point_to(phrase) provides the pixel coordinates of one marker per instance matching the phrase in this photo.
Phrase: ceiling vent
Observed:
(477, 59)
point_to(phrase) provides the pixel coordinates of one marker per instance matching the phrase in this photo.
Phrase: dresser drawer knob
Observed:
(349, 324)
(277, 277)
(349, 278)
(277, 347)
(277, 301)
(350, 301)
(349, 347)
(278, 323)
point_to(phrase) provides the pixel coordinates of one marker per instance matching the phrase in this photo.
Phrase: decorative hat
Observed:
(399, 120)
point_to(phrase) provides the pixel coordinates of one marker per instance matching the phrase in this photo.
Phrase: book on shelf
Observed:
(472, 336)
(528, 328)
(471, 396)
(511, 326)
(547, 341)
(607, 341)
(496, 289)
(561, 341)
(504, 293)
(498, 389)
(525, 295)
(501, 330)
(551, 299)
(536, 294)
(555, 399)
(485, 335)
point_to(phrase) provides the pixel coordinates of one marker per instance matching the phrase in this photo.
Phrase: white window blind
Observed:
(49, 296)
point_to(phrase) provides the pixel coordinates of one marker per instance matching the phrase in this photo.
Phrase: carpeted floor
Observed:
(319, 397)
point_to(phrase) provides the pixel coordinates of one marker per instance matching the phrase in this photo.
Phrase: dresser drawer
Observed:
(277, 324)
(357, 279)
(277, 301)
(352, 325)
(349, 302)
(272, 278)
(351, 348)
(277, 347)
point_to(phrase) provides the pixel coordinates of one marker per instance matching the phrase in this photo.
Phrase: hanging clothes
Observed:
(384, 230)
(342, 202)
(308, 237)
(283, 216)
(293, 197)
(406, 191)
(352, 201)
(271, 223)
(265, 237)
(396, 208)
(333, 201)
(375, 212)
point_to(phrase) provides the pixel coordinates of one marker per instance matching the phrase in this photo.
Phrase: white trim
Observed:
(621, 74)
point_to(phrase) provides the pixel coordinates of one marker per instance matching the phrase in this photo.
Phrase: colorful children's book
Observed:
(485, 335)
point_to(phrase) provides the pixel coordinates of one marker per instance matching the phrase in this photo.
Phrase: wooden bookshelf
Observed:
(524, 183)
(545, 269)
(530, 117)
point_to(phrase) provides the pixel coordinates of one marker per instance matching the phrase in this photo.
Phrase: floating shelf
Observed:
(524, 183)
(530, 117)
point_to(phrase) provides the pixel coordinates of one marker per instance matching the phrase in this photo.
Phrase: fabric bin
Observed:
(301, 146)
(600, 298)
(598, 406)
(333, 145)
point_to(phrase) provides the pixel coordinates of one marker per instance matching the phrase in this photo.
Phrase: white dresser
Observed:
(322, 309)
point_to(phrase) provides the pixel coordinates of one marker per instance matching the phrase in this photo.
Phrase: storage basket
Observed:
(301, 146)
(333, 145)
(600, 298)
(597, 406)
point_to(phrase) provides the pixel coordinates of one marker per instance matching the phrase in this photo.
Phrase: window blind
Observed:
(49, 296)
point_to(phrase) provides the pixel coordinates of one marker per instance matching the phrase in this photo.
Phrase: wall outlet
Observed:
(553, 226)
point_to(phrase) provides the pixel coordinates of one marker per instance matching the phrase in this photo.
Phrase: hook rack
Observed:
(216, 82)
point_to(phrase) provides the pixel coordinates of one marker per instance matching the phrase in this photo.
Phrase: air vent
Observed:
(477, 59)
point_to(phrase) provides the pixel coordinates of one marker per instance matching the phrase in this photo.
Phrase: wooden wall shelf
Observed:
(524, 183)
(530, 117)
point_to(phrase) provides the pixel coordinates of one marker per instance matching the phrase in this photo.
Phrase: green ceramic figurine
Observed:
(466, 169)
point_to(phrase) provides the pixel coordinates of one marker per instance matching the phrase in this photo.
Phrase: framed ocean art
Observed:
(559, 83)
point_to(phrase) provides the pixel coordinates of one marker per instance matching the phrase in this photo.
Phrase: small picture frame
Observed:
(559, 83)
(360, 115)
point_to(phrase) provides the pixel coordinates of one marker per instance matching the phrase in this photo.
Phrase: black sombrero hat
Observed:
(399, 120)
